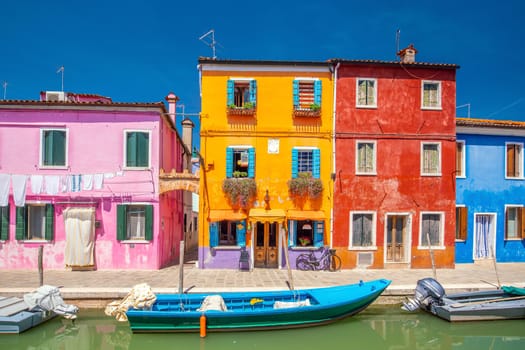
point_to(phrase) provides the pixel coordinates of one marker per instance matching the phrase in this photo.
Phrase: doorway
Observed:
(80, 238)
(397, 239)
(484, 235)
(266, 245)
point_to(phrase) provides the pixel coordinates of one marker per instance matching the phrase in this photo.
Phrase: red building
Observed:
(394, 188)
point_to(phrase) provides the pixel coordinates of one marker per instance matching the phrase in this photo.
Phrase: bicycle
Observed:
(328, 260)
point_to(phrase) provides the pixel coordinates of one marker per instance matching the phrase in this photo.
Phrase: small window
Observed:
(307, 94)
(431, 228)
(362, 230)
(306, 233)
(4, 223)
(431, 95)
(461, 223)
(514, 160)
(460, 158)
(35, 222)
(240, 162)
(366, 94)
(431, 159)
(134, 222)
(366, 157)
(54, 148)
(306, 160)
(137, 149)
(514, 220)
(228, 233)
(242, 93)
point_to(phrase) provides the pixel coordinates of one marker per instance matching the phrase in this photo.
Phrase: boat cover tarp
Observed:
(513, 290)
(141, 296)
(48, 298)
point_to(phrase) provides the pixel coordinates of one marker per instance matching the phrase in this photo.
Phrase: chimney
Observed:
(187, 140)
(408, 55)
(172, 104)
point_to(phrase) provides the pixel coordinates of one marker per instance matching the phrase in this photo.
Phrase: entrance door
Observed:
(396, 238)
(80, 237)
(484, 236)
(266, 245)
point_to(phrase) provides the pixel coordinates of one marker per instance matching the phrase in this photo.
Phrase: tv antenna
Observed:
(468, 108)
(398, 34)
(61, 70)
(210, 42)
(4, 84)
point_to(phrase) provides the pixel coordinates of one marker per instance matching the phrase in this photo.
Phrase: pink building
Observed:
(81, 176)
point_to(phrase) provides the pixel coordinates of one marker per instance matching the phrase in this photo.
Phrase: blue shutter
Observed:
(316, 171)
(253, 92)
(229, 162)
(318, 233)
(317, 92)
(296, 94)
(241, 233)
(295, 157)
(251, 162)
(292, 224)
(229, 92)
(214, 234)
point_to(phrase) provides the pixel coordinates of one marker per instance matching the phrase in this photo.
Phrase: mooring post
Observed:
(181, 266)
(40, 265)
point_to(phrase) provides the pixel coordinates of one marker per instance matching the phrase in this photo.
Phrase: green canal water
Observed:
(378, 327)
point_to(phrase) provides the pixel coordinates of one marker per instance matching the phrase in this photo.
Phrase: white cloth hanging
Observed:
(52, 182)
(75, 183)
(5, 182)
(87, 182)
(19, 189)
(64, 183)
(109, 175)
(37, 182)
(98, 180)
(80, 236)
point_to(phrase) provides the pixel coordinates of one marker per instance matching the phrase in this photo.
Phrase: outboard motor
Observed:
(428, 291)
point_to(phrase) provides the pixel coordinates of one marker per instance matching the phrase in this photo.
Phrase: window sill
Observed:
(429, 108)
(520, 178)
(361, 249)
(517, 239)
(431, 247)
(366, 174)
(35, 241)
(431, 174)
(227, 247)
(461, 176)
(52, 167)
(306, 113)
(460, 240)
(138, 241)
(241, 111)
(299, 248)
(366, 106)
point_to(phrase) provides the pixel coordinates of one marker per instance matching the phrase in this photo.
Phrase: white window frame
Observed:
(439, 89)
(424, 245)
(463, 173)
(124, 149)
(351, 233)
(41, 155)
(137, 240)
(374, 170)
(357, 81)
(505, 235)
(520, 177)
(438, 172)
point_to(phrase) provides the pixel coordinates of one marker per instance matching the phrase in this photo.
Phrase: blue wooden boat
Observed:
(255, 310)
(15, 316)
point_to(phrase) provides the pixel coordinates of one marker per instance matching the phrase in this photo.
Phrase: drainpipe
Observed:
(334, 76)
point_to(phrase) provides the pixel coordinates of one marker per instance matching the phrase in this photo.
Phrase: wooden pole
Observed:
(181, 266)
(290, 277)
(431, 256)
(40, 265)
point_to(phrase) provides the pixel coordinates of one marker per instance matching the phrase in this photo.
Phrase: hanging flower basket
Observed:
(305, 185)
(239, 191)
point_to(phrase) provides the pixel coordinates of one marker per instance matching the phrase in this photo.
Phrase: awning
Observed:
(263, 215)
(225, 214)
(305, 215)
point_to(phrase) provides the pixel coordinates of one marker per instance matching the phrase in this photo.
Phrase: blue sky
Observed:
(138, 51)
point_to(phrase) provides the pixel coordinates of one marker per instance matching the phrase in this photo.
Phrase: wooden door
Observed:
(396, 238)
(266, 245)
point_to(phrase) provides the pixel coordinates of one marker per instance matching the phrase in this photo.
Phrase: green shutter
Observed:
(20, 223)
(229, 162)
(229, 92)
(296, 94)
(148, 235)
(4, 223)
(59, 147)
(121, 222)
(295, 162)
(142, 151)
(47, 148)
(50, 222)
(131, 149)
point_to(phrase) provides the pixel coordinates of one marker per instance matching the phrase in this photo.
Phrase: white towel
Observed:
(5, 182)
(19, 189)
(52, 182)
(120, 173)
(64, 183)
(37, 182)
(109, 175)
(87, 181)
(98, 180)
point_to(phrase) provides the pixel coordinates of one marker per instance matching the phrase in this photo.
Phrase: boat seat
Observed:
(244, 260)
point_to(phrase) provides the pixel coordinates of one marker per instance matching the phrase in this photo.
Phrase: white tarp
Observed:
(48, 298)
(80, 236)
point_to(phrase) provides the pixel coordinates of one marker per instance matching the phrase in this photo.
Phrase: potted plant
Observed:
(315, 107)
(239, 191)
(305, 185)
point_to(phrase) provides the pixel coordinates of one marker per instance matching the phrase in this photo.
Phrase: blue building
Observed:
(490, 193)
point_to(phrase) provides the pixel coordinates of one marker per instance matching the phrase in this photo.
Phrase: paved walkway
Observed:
(103, 285)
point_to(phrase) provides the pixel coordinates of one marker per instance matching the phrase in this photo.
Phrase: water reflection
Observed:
(376, 328)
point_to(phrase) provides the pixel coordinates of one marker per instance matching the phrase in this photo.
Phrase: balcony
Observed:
(248, 109)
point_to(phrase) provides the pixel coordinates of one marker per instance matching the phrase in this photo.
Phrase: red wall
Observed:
(398, 125)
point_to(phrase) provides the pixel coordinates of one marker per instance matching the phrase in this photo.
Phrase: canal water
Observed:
(378, 327)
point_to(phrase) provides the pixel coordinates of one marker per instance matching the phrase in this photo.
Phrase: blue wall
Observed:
(485, 190)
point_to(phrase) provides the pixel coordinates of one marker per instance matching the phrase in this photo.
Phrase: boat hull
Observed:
(23, 321)
(255, 310)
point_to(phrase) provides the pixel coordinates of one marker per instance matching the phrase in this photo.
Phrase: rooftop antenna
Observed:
(181, 105)
(206, 39)
(468, 108)
(398, 34)
(4, 84)
(61, 70)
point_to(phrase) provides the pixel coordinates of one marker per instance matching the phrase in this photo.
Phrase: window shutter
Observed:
(316, 171)
(4, 223)
(121, 222)
(230, 92)
(296, 94)
(47, 147)
(59, 147)
(463, 223)
(295, 160)
(318, 233)
(251, 162)
(521, 219)
(142, 152)
(510, 160)
(50, 222)
(292, 224)
(253, 91)
(241, 233)
(317, 92)
(131, 149)
(148, 235)
(214, 234)
(229, 162)
(20, 223)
